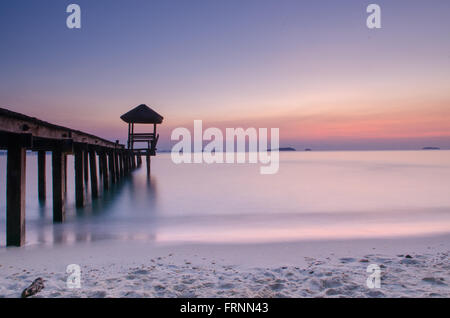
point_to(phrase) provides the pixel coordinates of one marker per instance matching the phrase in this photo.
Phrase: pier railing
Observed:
(19, 133)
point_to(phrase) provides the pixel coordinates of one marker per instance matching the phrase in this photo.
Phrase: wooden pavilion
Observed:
(142, 114)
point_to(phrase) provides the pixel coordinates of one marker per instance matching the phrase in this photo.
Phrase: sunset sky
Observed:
(311, 68)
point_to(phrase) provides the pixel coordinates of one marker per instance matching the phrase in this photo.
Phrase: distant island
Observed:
(431, 148)
(283, 149)
(308, 149)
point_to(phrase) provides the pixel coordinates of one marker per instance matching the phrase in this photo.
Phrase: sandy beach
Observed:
(410, 267)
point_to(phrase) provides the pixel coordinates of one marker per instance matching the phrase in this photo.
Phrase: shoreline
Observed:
(292, 269)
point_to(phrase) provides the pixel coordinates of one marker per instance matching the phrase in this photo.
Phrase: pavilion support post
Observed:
(129, 136)
(132, 137)
(58, 177)
(86, 166)
(139, 159)
(130, 161)
(148, 161)
(103, 160)
(15, 195)
(79, 177)
(111, 164)
(42, 187)
(133, 160)
(93, 170)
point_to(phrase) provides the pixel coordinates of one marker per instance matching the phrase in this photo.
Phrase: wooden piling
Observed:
(139, 159)
(117, 165)
(148, 162)
(104, 168)
(111, 164)
(93, 170)
(122, 163)
(19, 132)
(15, 195)
(129, 161)
(58, 177)
(100, 168)
(79, 176)
(42, 186)
(86, 166)
(125, 164)
(133, 160)
(65, 173)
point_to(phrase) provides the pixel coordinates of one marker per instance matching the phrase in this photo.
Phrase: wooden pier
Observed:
(20, 133)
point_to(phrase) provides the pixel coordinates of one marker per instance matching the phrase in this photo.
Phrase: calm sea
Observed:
(315, 195)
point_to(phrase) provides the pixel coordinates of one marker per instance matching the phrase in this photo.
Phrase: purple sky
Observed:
(311, 68)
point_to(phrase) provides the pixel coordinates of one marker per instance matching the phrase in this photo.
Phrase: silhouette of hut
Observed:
(142, 114)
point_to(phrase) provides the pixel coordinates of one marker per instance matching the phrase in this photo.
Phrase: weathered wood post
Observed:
(123, 157)
(117, 165)
(133, 161)
(79, 176)
(148, 162)
(111, 164)
(86, 165)
(15, 195)
(127, 162)
(42, 186)
(100, 168)
(130, 160)
(104, 168)
(58, 177)
(139, 159)
(65, 173)
(93, 170)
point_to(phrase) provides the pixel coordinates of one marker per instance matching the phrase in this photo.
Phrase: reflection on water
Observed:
(317, 195)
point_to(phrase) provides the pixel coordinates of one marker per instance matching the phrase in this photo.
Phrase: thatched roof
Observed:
(142, 114)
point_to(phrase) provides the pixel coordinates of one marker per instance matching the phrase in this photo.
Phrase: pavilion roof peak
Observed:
(142, 114)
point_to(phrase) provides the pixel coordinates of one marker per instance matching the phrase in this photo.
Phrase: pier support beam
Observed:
(93, 170)
(117, 165)
(65, 173)
(79, 177)
(123, 169)
(104, 168)
(123, 163)
(111, 164)
(128, 157)
(15, 196)
(59, 169)
(42, 186)
(86, 166)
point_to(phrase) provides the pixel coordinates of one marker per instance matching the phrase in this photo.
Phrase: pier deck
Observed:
(20, 133)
